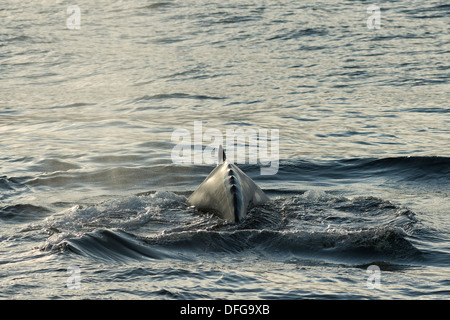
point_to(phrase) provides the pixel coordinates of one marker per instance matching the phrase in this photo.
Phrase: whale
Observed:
(227, 192)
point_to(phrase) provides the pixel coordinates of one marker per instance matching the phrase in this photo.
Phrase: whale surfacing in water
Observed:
(227, 192)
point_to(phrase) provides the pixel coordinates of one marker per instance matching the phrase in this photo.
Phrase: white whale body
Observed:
(227, 192)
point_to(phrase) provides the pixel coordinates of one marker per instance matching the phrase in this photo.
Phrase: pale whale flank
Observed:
(227, 192)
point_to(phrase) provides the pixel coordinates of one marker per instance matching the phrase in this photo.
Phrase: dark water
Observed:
(89, 191)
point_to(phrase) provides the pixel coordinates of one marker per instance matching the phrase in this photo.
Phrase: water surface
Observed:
(87, 179)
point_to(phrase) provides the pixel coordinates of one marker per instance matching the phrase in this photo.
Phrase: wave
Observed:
(22, 212)
(412, 168)
(10, 188)
(353, 248)
(112, 246)
(178, 95)
(295, 34)
(358, 246)
(436, 164)
(122, 173)
(313, 226)
(157, 5)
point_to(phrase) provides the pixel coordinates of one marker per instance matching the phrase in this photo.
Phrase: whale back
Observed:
(227, 192)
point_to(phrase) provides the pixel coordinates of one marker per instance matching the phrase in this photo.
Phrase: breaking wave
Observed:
(313, 226)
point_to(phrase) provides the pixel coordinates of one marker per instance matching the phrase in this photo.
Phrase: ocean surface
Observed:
(93, 205)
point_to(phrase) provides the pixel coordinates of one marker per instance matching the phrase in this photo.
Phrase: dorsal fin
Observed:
(222, 156)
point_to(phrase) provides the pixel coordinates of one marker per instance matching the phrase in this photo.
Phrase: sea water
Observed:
(92, 205)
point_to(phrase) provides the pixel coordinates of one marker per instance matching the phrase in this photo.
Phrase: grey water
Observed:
(92, 205)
